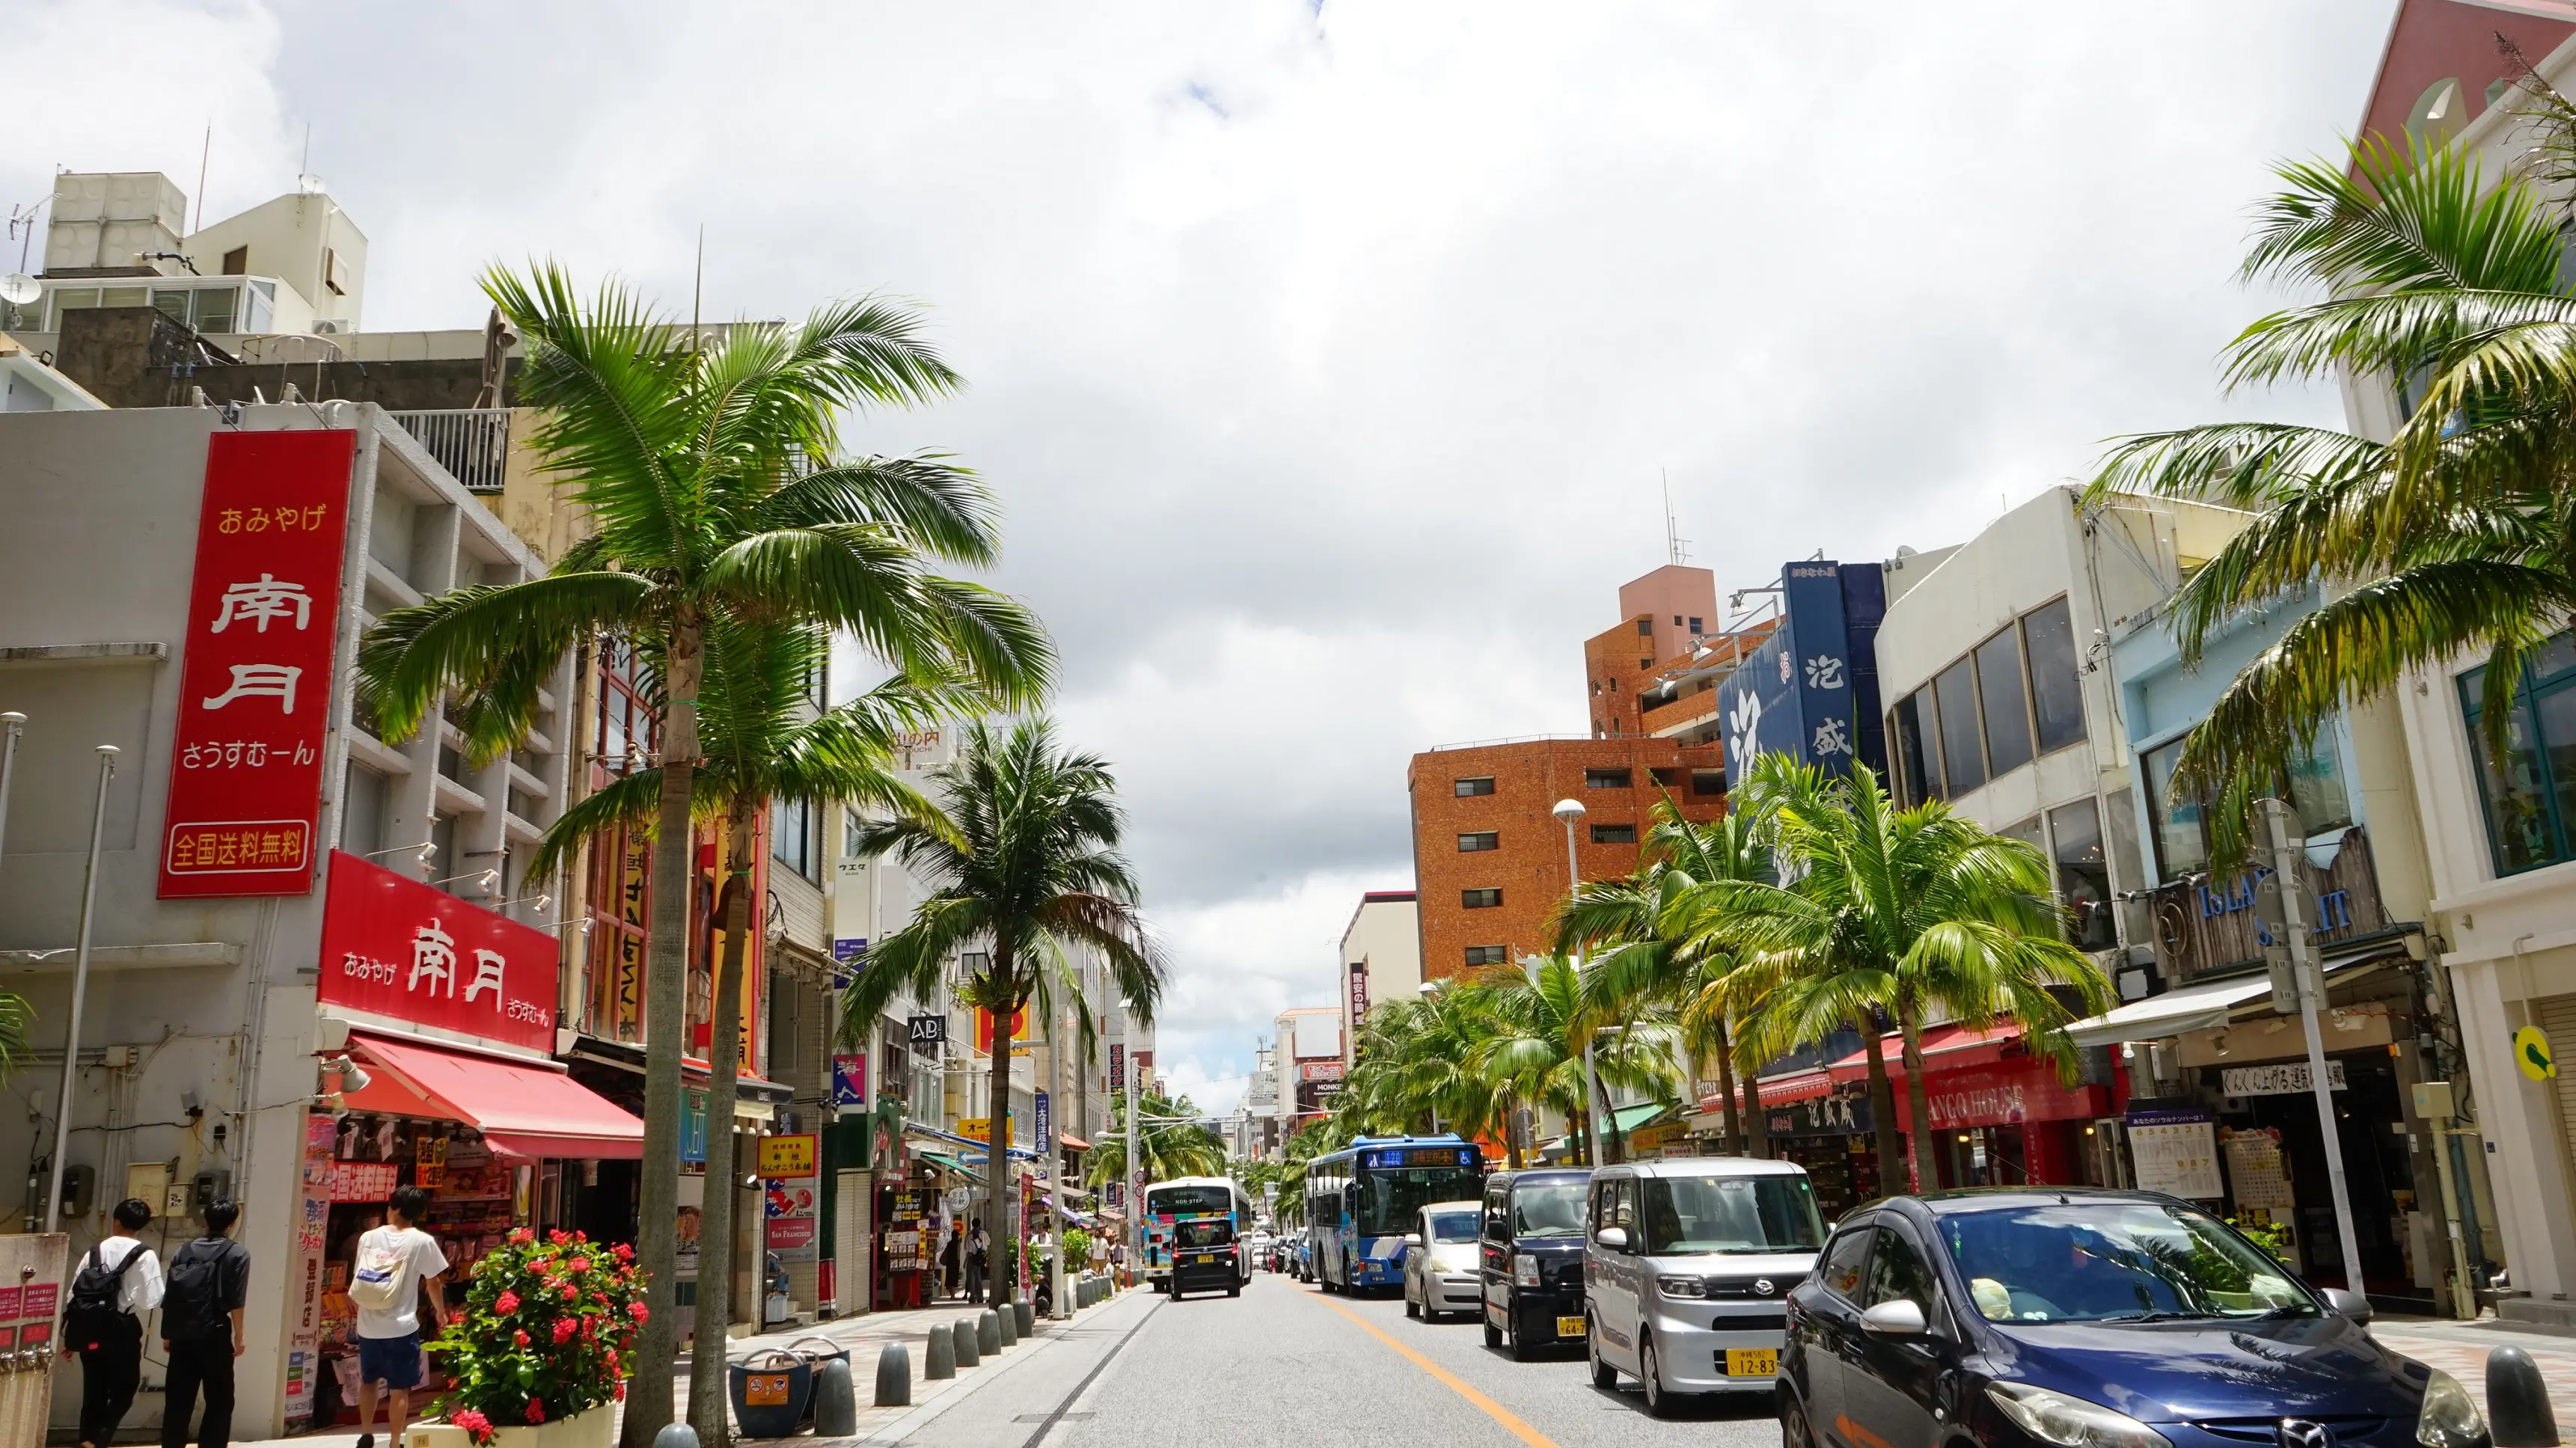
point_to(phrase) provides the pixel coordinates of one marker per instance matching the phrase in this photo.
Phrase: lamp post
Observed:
(1568, 812)
(80, 990)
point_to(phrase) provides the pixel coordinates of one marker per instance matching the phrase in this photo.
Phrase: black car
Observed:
(2043, 1318)
(1531, 1255)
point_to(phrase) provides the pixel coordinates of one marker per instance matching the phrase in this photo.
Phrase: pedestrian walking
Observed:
(119, 1281)
(952, 1255)
(976, 1246)
(201, 1328)
(396, 1264)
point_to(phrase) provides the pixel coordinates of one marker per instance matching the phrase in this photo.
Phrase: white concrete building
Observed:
(1381, 958)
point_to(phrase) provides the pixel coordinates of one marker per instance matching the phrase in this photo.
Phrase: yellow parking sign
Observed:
(2531, 1052)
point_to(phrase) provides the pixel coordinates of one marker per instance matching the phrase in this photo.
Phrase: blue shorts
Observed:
(392, 1361)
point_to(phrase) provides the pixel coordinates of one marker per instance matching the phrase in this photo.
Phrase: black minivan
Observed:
(1532, 1257)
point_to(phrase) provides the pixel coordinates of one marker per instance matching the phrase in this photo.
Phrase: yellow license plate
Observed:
(1752, 1362)
(1205, 1258)
(1569, 1327)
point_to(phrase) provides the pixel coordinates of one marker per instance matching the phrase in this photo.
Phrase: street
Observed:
(1286, 1365)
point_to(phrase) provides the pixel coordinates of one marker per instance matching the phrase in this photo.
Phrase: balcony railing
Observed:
(472, 443)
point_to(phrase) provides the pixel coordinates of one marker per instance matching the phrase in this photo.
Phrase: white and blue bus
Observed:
(1185, 1206)
(1360, 1202)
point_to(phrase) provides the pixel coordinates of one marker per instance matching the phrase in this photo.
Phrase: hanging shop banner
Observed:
(788, 1216)
(1359, 995)
(2175, 1152)
(312, 1224)
(1118, 1069)
(849, 1080)
(255, 688)
(396, 947)
(1043, 1119)
(926, 1031)
(790, 1156)
(626, 962)
(2286, 1078)
(984, 1032)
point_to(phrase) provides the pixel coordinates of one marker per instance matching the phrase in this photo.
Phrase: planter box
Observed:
(595, 1428)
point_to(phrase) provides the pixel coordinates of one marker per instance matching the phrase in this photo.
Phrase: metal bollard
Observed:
(939, 1359)
(836, 1402)
(2518, 1411)
(967, 1338)
(1025, 1315)
(988, 1331)
(676, 1435)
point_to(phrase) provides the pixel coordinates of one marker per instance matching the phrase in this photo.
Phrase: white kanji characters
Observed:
(1831, 738)
(257, 603)
(1785, 666)
(487, 976)
(1744, 729)
(260, 681)
(433, 957)
(1824, 671)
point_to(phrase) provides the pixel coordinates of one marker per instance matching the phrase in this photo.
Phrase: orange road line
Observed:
(1450, 1380)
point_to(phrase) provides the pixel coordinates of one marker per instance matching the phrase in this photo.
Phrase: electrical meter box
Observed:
(2433, 1100)
(150, 1182)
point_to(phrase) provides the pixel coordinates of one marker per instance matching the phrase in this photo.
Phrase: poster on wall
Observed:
(2175, 1152)
(255, 689)
(788, 1212)
(2261, 1178)
(304, 1312)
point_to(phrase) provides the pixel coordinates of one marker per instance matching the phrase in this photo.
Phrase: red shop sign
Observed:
(2022, 1090)
(255, 667)
(399, 948)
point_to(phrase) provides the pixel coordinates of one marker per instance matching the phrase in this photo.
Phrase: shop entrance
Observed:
(2376, 1172)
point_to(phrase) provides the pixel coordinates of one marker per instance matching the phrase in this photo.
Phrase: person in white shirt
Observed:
(118, 1281)
(389, 1335)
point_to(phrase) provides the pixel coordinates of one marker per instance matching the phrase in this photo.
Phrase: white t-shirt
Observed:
(420, 1258)
(139, 1290)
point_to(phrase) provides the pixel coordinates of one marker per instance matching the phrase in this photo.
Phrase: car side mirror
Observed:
(1413, 1239)
(2349, 1304)
(1612, 1239)
(1896, 1317)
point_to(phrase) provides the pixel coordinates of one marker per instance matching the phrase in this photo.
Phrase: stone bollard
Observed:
(1025, 1315)
(1006, 1323)
(988, 1332)
(968, 1340)
(676, 1435)
(2518, 1411)
(836, 1400)
(939, 1359)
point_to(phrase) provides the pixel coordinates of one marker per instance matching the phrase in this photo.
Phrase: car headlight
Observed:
(2449, 1418)
(1681, 1287)
(2071, 1422)
(1524, 1269)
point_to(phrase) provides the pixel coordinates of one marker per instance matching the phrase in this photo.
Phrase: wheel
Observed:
(1794, 1432)
(1493, 1334)
(1413, 1309)
(1660, 1400)
(1522, 1348)
(1603, 1375)
(1235, 1291)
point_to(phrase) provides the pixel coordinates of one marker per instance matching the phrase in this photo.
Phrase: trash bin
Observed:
(771, 1391)
(816, 1351)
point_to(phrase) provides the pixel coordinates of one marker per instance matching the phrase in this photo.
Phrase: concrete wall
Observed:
(1385, 936)
(304, 240)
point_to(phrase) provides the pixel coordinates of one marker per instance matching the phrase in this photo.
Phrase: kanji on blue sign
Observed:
(1045, 1122)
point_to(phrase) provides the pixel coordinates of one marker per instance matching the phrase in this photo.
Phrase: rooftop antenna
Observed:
(1676, 547)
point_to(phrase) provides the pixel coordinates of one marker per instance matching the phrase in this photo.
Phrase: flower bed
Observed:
(545, 1334)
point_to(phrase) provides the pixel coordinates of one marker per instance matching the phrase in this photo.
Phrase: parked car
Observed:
(1688, 1264)
(1440, 1261)
(2034, 1319)
(1530, 1259)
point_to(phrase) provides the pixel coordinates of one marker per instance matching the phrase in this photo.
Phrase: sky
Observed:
(1329, 359)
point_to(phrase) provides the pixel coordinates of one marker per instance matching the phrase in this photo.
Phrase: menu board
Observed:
(2175, 1152)
(2255, 1167)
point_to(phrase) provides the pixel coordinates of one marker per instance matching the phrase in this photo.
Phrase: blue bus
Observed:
(1360, 1202)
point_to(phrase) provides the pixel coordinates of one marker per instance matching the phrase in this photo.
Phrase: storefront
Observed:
(1999, 1115)
(437, 1015)
(1828, 1130)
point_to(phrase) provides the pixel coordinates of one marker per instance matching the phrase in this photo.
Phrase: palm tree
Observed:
(1029, 866)
(711, 475)
(1645, 945)
(1542, 1021)
(1415, 1068)
(2453, 536)
(1170, 1141)
(1897, 914)
(766, 743)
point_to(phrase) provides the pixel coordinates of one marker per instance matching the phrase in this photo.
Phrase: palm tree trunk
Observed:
(998, 1194)
(648, 1397)
(1725, 1054)
(1917, 1102)
(1757, 1126)
(708, 1394)
(1882, 1105)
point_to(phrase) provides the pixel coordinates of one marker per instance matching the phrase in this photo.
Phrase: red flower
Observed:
(507, 1302)
(639, 1312)
(523, 1236)
(621, 1392)
(565, 1327)
(536, 1411)
(558, 1237)
(476, 1426)
(581, 1264)
(624, 1252)
(612, 1359)
(520, 1337)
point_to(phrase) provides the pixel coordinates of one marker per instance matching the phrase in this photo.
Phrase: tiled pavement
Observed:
(2460, 1349)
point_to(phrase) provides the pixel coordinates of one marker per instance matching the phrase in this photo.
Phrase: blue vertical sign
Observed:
(849, 1080)
(1045, 1123)
(693, 1126)
(1796, 694)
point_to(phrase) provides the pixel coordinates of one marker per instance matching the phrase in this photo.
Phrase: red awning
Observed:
(1076, 1142)
(524, 1110)
(1783, 1090)
(1945, 1048)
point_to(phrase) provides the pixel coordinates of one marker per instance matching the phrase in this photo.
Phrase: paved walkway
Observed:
(2460, 1349)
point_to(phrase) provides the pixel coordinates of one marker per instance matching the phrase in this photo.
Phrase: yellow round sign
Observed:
(2531, 1052)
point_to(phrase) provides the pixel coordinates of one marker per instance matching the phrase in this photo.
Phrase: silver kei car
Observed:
(1441, 1271)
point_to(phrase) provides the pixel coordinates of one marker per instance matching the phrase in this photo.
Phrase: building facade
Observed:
(1381, 959)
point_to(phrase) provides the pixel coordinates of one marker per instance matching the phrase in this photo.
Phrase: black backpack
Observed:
(90, 1314)
(192, 1306)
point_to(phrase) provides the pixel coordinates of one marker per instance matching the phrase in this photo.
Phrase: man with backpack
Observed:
(201, 1328)
(119, 1281)
(395, 1262)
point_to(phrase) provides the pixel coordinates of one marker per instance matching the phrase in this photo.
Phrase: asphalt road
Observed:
(1285, 1365)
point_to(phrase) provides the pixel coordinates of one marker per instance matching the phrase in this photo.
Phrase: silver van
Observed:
(1687, 1266)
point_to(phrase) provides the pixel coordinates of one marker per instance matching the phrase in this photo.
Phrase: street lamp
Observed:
(1567, 812)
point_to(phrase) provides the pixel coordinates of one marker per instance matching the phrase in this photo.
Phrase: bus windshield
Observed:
(1688, 1215)
(1190, 1202)
(1390, 1196)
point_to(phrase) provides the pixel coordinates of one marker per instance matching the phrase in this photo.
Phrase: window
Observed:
(1843, 1261)
(331, 272)
(216, 309)
(1645, 628)
(1608, 779)
(1917, 758)
(1644, 664)
(1482, 840)
(792, 837)
(1481, 899)
(2530, 802)
(1963, 759)
(1897, 1274)
(2028, 832)
(2182, 845)
(850, 823)
(2316, 788)
(1695, 628)
(1665, 777)
(1708, 783)
(1688, 1216)
(237, 262)
(2006, 713)
(1481, 784)
(362, 811)
(2083, 879)
(1486, 954)
(2056, 688)
(1614, 834)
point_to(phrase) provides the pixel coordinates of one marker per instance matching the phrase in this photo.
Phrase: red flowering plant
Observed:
(547, 1332)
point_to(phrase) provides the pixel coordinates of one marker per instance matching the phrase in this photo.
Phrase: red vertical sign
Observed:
(255, 666)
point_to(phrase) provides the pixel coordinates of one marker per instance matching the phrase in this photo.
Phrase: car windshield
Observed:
(1750, 1214)
(2114, 1262)
(1203, 1234)
(1453, 1226)
(1548, 1209)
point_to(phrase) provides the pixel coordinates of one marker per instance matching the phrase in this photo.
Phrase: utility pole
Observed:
(80, 991)
(2310, 981)
(1135, 1202)
(1055, 1155)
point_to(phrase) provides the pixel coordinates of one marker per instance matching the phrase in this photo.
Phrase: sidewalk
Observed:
(865, 1337)
(2460, 1349)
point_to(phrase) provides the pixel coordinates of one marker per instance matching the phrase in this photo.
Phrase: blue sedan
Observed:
(2042, 1318)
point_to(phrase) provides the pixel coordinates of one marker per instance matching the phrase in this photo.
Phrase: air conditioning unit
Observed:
(328, 325)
